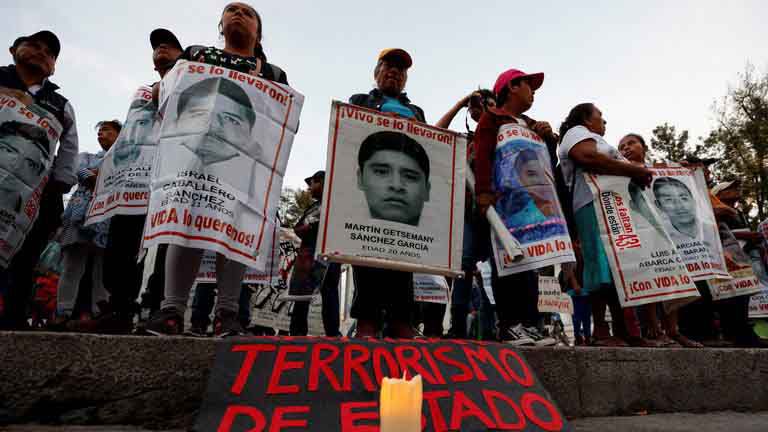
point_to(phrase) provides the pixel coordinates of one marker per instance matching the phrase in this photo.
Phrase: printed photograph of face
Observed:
(393, 174)
(676, 201)
(23, 158)
(136, 132)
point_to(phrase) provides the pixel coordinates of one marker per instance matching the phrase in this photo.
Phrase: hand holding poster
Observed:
(28, 137)
(125, 172)
(528, 204)
(394, 193)
(682, 199)
(739, 264)
(644, 261)
(222, 152)
(552, 298)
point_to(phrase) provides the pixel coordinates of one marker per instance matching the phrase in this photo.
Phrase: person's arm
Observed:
(585, 154)
(485, 146)
(64, 173)
(447, 118)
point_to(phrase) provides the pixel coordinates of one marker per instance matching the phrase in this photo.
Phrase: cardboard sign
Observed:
(528, 202)
(225, 138)
(28, 137)
(394, 193)
(123, 184)
(328, 385)
(552, 298)
(644, 261)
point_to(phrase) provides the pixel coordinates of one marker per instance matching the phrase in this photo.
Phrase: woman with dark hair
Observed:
(241, 28)
(634, 148)
(583, 149)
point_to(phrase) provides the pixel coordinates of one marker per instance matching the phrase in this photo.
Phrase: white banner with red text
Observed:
(743, 280)
(552, 298)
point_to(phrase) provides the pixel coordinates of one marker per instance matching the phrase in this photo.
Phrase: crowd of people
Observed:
(100, 262)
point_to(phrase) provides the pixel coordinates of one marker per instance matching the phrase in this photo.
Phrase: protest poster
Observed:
(644, 261)
(552, 298)
(528, 203)
(394, 193)
(430, 288)
(484, 268)
(739, 265)
(224, 144)
(758, 303)
(682, 200)
(334, 385)
(28, 137)
(125, 172)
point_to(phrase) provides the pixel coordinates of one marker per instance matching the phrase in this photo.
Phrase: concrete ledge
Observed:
(159, 382)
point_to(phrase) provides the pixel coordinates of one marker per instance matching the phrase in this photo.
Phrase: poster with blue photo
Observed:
(527, 202)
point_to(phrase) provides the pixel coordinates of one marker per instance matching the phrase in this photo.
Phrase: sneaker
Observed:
(167, 322)
(514, 337)
(226, 324)
(198, 329)
(108, 323)
(533, 334)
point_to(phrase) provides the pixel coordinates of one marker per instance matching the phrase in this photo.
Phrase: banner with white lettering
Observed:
(394, 193)
(430, 288)
(224, 144)
(28, 137)
(125, 172)
(644, 261)
(739, 266)
(682, 200)
(552, 298)
(528, 202)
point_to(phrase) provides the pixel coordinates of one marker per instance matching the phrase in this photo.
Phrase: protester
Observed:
(664, 331)
(583, 149)
(386, 296)
(475, 228)
(315, 272)
(27, 80)
(122, 271)
(516, 295)
(241, 27)
(83, 244)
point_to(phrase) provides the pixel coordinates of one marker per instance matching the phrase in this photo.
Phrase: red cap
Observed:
(536, 79)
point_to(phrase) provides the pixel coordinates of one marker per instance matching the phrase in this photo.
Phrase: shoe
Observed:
(107, 323)
(198, 329)
(58, 324)
(533, 334)
(514, 337)
(226, 324)
(167, 322)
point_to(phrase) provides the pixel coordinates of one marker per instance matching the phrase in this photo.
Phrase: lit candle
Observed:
(400, 404)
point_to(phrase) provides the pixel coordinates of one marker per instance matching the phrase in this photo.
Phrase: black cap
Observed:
(320, 175)
(698, 160)
(44, 36)
(161, 35)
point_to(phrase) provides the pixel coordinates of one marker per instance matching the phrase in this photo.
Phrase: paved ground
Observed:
(679, 422)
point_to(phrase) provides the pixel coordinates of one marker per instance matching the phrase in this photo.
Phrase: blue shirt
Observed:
(394, 106)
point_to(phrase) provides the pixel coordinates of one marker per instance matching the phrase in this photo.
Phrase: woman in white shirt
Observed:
(583, 149)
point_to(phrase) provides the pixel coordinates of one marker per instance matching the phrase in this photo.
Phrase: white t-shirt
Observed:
(581, 194)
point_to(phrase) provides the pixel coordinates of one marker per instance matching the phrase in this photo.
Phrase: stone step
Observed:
(159, 382)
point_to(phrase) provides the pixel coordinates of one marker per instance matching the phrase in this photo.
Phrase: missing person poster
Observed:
(28, 137)
(681, 198)
(125, 173)
(739, 264)
(224, 143)
(528, 202)
(394, 193)
(552, 298)
(644, 261)
(430, 288)
(758, 303)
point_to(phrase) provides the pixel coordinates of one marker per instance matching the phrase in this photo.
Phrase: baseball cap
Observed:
(45, 36)
(320, 175)
(536, 79)
(397, 53)
(723, 186)
(162, 35)
(704, 161)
